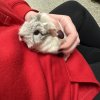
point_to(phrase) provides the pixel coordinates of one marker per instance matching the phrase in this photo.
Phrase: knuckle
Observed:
(78, 40)
(68, 17)
(65, 17)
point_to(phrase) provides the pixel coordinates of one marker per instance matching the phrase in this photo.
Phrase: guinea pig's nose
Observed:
(60, 34)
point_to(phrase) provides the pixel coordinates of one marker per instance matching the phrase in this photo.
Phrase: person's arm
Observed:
(21, 8)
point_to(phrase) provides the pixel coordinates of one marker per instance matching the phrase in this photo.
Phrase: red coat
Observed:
(27, 75)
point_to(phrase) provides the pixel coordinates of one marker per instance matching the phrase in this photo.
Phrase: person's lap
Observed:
(89, 35)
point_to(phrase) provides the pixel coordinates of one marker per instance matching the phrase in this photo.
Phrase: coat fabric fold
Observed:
(28, 75)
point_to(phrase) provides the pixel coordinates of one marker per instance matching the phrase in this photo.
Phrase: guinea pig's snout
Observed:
(60, 34)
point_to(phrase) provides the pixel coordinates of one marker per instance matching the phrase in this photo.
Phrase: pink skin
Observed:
(72, 35)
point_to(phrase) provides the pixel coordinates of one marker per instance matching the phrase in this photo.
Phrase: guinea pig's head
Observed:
(35, 31)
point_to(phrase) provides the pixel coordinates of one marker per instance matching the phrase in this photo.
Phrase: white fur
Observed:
(45, 43)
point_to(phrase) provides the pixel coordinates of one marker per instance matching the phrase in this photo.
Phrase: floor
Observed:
(48, 5)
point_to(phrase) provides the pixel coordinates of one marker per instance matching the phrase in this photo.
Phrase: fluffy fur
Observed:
(41, 34)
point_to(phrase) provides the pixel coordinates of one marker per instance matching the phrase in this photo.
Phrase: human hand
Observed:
(29, 15)
(72, 35)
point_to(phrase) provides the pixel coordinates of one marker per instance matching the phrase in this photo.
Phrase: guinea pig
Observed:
(41, 34)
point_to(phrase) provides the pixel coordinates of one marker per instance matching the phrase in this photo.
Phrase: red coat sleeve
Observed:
(20, 7)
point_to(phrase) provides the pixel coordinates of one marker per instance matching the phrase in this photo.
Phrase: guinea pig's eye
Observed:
(36, 32)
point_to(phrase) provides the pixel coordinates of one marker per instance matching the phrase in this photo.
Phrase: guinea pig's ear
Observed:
(45, 26)
(33, 17)
(36, 17)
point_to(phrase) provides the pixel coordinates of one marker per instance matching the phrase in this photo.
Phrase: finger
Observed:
(69, 41)
(56, 16)
(68, 25)
(70, 30)
(71, 49)
(54, 19)
(66, 57)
